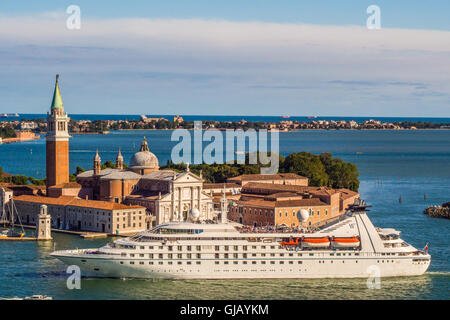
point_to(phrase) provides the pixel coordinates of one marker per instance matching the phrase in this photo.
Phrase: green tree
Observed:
(20, 180)
(308, 165)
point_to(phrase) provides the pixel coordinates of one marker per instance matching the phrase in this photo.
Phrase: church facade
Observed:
(167, 195)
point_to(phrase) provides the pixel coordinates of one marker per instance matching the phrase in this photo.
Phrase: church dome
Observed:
(144, 159)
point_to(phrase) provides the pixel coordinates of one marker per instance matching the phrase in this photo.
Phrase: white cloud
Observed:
(321, 65)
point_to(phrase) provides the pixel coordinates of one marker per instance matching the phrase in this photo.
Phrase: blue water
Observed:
(410, 164)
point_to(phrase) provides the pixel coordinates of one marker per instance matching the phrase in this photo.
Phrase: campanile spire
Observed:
(57, 141)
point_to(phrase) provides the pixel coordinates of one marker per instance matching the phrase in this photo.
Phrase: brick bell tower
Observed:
(57, 141)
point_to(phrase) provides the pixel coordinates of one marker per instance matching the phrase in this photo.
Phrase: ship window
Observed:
(217, 262)
(131, 262)
(225, 262)
(160, 256)
(141, 262)
(142, 247)
(170, 262)
(281, 262)
(272, 262)
(199, 255)
(121, 262)
(132, 255)
(188, 262)
(150, 262)
(235, 262)
(235, 248)
(199, 248)
(179, 262)
(198, 262)
(299, 262)
(253, 262)
(281, 254)
(291, 262)
(263, 262)
(170, 248)
(311, 254)
(299, 254)
(244, 262)
(217, 248)
(141, 255)
(160, 262)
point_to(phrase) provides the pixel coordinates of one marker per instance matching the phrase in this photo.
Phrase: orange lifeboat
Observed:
(350, 242)
(291, 242)
(316, 242)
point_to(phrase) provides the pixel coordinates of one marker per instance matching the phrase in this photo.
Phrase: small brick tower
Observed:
(57, 151)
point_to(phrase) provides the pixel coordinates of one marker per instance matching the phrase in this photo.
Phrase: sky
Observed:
(260, 57)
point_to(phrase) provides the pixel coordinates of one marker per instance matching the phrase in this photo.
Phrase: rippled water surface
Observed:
(414, 165)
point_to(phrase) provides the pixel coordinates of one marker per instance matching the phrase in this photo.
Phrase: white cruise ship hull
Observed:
(358, 267)
(218, 251)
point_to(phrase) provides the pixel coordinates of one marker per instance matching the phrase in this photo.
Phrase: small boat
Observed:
(311, 117)
(8, 220)
(316, 242)
(10, 233)
(286, 117)
(350, 242)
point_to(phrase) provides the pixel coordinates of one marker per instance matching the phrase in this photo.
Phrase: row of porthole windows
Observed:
(167, 256)
(162, 262)
(256, 262)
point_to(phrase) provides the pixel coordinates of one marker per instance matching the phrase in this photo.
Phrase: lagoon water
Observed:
(410, 164)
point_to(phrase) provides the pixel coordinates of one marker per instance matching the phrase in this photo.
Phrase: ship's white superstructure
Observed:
(348, 248)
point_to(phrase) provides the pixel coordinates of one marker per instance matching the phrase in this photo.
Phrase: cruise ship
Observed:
(347, 248)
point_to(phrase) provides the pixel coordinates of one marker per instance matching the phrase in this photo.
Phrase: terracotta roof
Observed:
(76, 202)
(67, 185)
(220, 185)
(283, 203)
(300, 203)
(346, 193)
(61, 201)
(273, 188)
(278, 176)
(258, 203)
(283, 195)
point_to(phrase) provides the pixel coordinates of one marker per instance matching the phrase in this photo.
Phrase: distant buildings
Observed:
(178, 119)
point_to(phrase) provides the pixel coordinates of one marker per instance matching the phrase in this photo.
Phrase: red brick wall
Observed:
(57, 162)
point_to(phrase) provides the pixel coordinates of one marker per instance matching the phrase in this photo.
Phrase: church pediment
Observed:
(188, 177)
